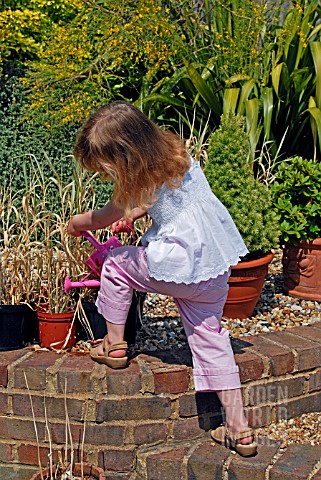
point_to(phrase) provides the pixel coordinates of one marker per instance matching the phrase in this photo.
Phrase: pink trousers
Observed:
(200, 306)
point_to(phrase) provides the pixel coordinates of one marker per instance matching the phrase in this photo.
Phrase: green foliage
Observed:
(24, 25)
(231, 178)
(22, 141)
(297, 198)
(258, 59)
(112, 49)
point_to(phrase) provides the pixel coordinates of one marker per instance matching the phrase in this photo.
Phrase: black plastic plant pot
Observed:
(17, 327)
(98, 323)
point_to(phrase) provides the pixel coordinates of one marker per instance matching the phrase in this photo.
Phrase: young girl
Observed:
(187, 253)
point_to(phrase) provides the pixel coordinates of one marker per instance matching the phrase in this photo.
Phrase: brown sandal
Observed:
(106, 359)
(222, 436)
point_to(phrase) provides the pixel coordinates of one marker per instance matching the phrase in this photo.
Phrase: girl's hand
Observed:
(126, 224)
(123, 225)
(74, 228)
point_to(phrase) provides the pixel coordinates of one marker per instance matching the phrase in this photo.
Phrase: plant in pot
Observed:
(297, 199)
(56, 309)
(18, 319)
(62, 464)
(231, 177)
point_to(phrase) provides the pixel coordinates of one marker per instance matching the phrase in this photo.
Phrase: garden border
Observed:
(146, 422)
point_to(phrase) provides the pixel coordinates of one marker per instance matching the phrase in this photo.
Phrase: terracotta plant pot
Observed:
(91, 472)
(302, 270)
(245, 287)
(54, 328)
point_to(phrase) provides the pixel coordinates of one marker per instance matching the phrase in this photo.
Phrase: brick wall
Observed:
(146, 420)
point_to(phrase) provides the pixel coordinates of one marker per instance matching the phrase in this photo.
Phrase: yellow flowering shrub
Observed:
(20, 33)
(25, 25)
(113, 48)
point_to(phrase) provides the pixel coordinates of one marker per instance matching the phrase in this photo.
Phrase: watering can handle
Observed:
(95, 242)
(91, 238)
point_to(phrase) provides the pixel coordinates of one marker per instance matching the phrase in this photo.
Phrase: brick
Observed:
(6, 359)
(273, 392)
(254, 468)
(122, 476)
(6, 453)
(187, 428)
(251, 365)
(133, 408)
(308, 352)
(309, 332)
(317, 324)
(206, 462)
(260, 416)
(296, 463)
(55, 406)
(21, 429)
(94, 434)
(35, 367)
(171, 379)
(74, 375)
(119, 460)
(149, 433)
(124, 382)
(205, 405)
(199, 403)
(295, 408)
(315, 381)
(28, 454)
(146, 358)
(280, 358)
(16, 472)
(187, 405)
(166, 465)
(3, 403)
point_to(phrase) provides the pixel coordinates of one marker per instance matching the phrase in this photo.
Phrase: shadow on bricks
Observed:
(209, 410)
(239, 346)
(171, 357)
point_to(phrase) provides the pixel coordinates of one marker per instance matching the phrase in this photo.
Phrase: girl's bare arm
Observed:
(95, 219)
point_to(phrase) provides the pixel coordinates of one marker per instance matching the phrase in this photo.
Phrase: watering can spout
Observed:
(67, 285)
(81, 284)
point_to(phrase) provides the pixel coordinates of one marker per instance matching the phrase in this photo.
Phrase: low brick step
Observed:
(205, 460)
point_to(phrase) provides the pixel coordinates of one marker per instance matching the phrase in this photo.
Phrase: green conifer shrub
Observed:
(231, 177)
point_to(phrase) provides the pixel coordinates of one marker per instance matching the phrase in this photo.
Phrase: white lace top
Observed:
(192, 237)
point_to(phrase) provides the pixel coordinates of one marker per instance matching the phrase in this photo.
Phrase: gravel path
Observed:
(162, 329)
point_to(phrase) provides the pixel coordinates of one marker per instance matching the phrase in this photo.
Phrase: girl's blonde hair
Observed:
(121, 143)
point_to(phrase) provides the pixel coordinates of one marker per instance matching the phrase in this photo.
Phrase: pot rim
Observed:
(77, 469)
(254, 263)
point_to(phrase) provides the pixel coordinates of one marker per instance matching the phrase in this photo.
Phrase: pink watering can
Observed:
(94, 262)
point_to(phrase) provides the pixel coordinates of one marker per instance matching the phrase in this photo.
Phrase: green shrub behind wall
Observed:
(23, 143)
(231, 178)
